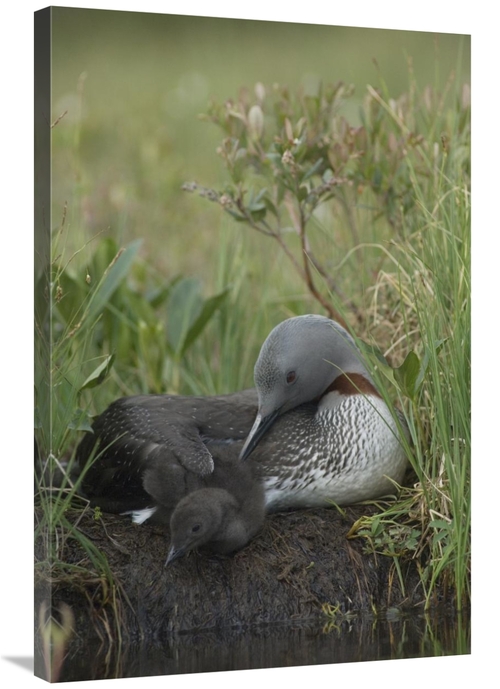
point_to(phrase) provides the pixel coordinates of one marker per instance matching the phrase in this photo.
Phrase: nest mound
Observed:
(299, 562)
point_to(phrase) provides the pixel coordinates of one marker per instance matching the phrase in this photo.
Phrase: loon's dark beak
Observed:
(259, 429)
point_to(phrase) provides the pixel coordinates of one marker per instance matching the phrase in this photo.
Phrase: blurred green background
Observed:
(131, 86)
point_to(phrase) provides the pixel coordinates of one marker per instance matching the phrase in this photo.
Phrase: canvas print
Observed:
(252, 342)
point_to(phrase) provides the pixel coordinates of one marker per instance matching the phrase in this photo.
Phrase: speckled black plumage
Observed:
(317, 432)
(136, 433)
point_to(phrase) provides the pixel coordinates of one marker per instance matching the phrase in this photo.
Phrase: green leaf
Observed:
(271, 207)
(302, 193)
(137, 308)
(158, 296)
(377, 178)
(235, 215)
(81, 421)
(73, 294)
(239, 166)
(407, 374)
(151, 352)
(313, 170)
(117, 273)
(375, 526)
(257, 210)
(99, 374)
(183, 308)
(209, 307)
(375, 355)
(440, 535)
(439, 524)
(425, 362)
(256, 206)
(438, 344)
(261, 196)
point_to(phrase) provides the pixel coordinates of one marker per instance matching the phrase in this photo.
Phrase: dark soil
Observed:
(299, 562)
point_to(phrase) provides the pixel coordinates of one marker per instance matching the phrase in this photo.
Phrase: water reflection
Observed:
(312, 643)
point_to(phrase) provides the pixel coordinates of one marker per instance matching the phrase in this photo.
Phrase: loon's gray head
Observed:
(299, 360)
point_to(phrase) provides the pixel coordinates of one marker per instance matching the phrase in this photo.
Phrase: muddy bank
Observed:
(299, 562)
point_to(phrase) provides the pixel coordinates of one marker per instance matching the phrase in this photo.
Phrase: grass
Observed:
(433, 283)
(119, 319)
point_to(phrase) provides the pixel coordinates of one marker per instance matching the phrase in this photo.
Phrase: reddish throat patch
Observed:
(352, 384)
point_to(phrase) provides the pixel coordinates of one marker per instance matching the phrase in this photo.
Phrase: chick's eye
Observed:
(195, 528)
(290, 377)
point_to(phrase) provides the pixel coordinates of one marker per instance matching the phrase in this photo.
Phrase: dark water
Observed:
(313, 643)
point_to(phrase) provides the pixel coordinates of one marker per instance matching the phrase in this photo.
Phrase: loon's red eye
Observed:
(290, 377)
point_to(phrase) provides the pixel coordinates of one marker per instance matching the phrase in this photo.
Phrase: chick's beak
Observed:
(173, 554)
